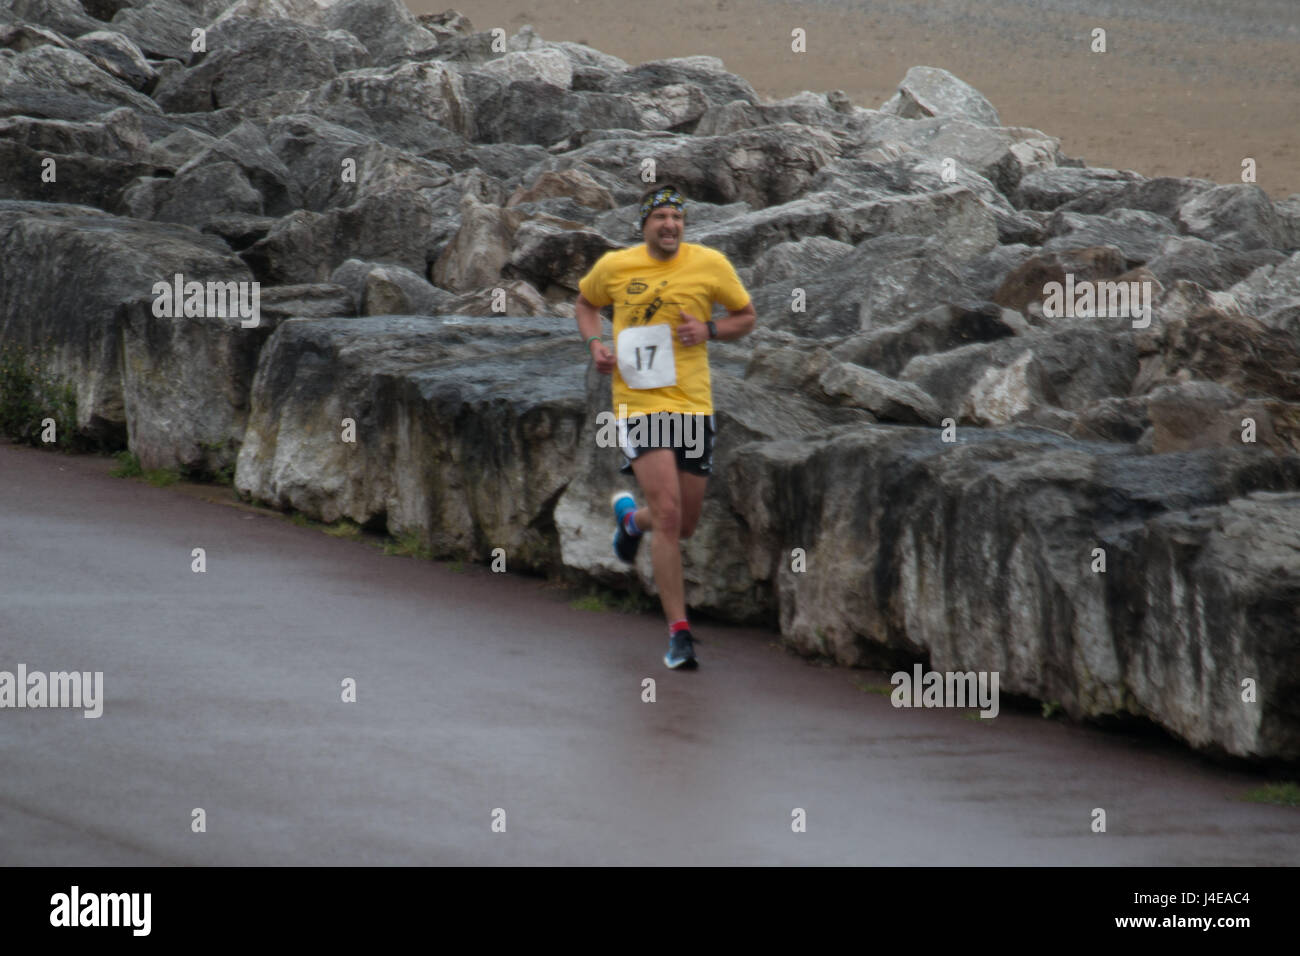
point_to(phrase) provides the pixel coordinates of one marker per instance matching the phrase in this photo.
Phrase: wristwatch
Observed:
(713, 328)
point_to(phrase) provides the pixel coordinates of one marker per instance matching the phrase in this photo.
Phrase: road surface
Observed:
(480, 692)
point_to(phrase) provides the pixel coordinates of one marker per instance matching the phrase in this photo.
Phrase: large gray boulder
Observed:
(237, 173)
(1002, 155)
(956, 219)
(1072, 369)
(705, 72)
(796, 259)
(806, 108)
(981, 554)
(1139, 236)
(883, 282)
(928, 91)
(187, 379)
(549, 252)
(57, 83)
(411, 106)
(1163, 195)
(93, 162)
(1270, 289)
(762, 167)
(1237, 216)
(385, 289)
(466, 430)
(387, 28)
(118, 56)
(1055, 186)
(333, 166)
(390, 224)
(249, 59)
(162, 29)
(67, 17)
(1208, 265)
(942, 329)
(115, 261)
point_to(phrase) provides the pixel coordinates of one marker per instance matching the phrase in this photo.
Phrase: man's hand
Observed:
(604, 357)
(692, 331)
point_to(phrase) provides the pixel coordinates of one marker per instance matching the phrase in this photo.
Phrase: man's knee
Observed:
(667, 516)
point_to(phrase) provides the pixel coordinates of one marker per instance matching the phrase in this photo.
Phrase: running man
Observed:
(663, 294)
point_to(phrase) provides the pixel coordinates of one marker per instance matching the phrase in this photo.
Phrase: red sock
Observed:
(676, 626)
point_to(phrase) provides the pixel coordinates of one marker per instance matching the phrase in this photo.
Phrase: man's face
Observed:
(663, 231)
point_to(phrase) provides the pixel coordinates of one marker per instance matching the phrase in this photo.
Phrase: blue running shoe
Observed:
(625, 545)
(681, 651)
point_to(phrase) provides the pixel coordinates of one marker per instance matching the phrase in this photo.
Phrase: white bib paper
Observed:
(645, 356)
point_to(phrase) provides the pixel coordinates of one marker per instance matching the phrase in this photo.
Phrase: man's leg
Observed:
(692, 498)
(656, 472)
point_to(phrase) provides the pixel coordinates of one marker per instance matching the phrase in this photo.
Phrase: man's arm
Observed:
(588, 317)
(589, 325)
(737, 324)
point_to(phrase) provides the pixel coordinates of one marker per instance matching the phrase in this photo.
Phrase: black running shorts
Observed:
(690, 436)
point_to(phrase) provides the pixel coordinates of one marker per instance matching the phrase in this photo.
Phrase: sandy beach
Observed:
(1183, 89)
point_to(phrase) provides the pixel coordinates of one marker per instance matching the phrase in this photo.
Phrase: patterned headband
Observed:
(664, 197)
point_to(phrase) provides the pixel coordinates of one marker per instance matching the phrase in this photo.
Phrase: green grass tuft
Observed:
(1281, 794)
(30, 394)
(884, 690)
(162, 477)
(407, 545)
(128, 466)
(343, 528)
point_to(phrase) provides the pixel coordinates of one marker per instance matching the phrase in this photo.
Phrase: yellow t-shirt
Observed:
(655, 372)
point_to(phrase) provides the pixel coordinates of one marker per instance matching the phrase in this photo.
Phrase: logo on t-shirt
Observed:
(643, 312)
(636, 287)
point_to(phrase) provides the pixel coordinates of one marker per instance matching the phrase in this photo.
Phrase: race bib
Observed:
(645, 356)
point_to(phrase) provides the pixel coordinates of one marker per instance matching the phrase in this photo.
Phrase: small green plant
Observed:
(884, 690)
(1051, 708)
(408, 545)
(128, 466)
(343, 528)
(215, 451)
(162, 477)
(1282, 794)
(618, 602)
(29, 395)
(456, 567)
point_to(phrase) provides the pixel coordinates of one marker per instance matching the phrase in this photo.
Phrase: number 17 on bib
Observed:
(645, 356)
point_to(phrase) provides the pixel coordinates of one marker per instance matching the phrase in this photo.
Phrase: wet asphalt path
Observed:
(478, 691)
